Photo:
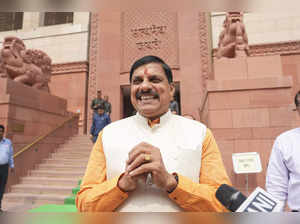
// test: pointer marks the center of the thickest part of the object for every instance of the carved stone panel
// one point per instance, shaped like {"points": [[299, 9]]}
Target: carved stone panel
{"points": [[148, 33]]}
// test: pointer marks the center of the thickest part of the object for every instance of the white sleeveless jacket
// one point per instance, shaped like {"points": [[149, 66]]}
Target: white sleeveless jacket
{"points": [[180, 142]]}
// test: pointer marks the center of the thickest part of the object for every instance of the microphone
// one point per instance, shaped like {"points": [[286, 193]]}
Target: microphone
{"points": [[230, 197], [258, 201]]}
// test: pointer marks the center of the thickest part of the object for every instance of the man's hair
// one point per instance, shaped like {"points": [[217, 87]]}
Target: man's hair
{"points": [[2, 127], [297, 102], [152, 59]]}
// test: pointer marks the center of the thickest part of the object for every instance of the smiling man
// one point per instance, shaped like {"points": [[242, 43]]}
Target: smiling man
{"points": [[154, 161]]}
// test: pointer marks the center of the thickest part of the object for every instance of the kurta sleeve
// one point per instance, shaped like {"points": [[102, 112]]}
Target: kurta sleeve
{"points": [[200, 196], [96, 192], [277, 178]]}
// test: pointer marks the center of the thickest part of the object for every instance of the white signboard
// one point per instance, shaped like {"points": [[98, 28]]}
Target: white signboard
{"points": [[248, 162]]}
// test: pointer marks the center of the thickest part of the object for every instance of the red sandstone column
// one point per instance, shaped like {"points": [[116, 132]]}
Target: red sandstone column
{"points": [[194, 59]]}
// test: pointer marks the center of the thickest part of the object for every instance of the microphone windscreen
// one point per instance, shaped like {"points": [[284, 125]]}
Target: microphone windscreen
{"points": [[230, 197]]}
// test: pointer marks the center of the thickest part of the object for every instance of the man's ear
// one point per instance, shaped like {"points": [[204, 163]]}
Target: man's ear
{"points": [[172, 89]]}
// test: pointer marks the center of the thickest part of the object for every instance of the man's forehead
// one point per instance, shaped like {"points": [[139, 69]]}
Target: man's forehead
{"points": [[149, 69]]}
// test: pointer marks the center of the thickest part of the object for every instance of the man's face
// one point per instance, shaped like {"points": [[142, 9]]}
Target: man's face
{"points": [[1, 133], [99, 95], [106, 98], [100, 111], [151, 92]]}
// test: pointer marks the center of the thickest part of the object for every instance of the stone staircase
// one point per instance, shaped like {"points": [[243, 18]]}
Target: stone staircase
{"points": [[53, 180]]}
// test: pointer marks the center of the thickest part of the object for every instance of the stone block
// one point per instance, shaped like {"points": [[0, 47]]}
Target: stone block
{"points": [[268, 132], [226, 147], [230, 68], [271, 97], [264, 66], [220, 119], [246, 118], [289, 69], [3, 111], [255, 145], [232, 133], [228, 100], [249, 84], [30, 112], [282, 116]]}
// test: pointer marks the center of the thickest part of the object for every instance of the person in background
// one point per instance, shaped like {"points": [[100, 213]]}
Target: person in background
{"points": [[154, 161], [107, 105], [283, 173], [174, 106], [100, 120], [6, 162], [97, 101]]}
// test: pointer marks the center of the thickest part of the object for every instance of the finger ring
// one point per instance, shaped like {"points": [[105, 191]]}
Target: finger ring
{"points": [[147, 157]]}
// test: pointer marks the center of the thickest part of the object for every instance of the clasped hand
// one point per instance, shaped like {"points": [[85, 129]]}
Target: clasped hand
{"points": [[142, 160]]}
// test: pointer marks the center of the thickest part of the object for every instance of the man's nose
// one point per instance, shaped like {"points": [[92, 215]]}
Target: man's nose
{"points": [[145, 85]]}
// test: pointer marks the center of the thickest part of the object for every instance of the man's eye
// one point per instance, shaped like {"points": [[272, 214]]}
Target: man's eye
{"points": [[136, 81], [156, 80]]}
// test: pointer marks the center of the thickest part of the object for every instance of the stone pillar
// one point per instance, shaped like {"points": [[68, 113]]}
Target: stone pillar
{"points": [[81, 18], [31, 20], [195, 61], [93, 58]]}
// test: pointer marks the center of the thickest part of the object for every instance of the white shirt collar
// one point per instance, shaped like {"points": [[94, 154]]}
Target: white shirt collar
{"points": [[163, 119]]}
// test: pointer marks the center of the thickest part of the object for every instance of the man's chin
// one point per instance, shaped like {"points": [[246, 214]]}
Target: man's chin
{"points": [[148, 112], [151, 113]]}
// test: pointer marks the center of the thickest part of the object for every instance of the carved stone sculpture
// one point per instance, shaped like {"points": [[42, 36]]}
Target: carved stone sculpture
{"points": [[28, 66], [233, 40]]}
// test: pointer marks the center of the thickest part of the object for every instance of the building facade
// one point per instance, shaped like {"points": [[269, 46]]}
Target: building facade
{"points": [[246, 107]]}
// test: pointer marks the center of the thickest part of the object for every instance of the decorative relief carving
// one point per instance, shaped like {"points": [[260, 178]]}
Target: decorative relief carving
{"points": [[148, 31], [280, 48], [151, 33], [73, 67], [291, 47], [233, 40], [92, 85], [28, 66], [204, 49]]}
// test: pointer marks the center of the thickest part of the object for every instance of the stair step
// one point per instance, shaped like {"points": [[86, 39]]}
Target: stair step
{"points": [[59, 166], [28, 198], [75, 158], [77, 145], [58, 174], [42, 189], [16, 206], [71, 153], [50, 181], [63, 153], [81, 137], [74, 148], [80, 141], [66, 152], [67, 161]]}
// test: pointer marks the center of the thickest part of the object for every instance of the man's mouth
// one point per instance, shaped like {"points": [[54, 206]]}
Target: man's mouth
{"points": [[144, 97], [147, 97]]}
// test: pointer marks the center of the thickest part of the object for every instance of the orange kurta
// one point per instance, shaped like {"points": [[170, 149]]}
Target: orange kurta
{"points": [[99, 194]]}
